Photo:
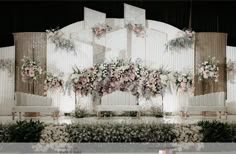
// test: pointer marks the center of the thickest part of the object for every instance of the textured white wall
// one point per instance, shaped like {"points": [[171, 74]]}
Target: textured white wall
{"points": [[6, 83]]}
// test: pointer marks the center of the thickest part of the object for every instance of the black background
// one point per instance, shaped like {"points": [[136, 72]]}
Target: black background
{"points": [[37, 16]]}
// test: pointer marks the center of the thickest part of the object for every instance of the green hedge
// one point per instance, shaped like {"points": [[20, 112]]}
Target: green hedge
{"points": [[21, 131], [204, 131], [216, 131]]}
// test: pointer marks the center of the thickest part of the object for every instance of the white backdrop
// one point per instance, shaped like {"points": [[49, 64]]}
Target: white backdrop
{"points": [[151, 49]]}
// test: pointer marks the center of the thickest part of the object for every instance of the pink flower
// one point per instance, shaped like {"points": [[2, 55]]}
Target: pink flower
{"points": [[45, 87], [31, 72], [205, 75], [23, 79], [183, 84], [137, 29]]}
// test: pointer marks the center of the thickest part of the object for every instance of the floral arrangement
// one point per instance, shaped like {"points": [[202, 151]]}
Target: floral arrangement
{"points": [[100, 30], [183, 82], [119, 75], [83, 82], [209, 69], [30, 70], [187, 133], [7, 64], [231, 66], [57, 37], [154, 82], [53, 82], [104, 78], [185, 41], [55, 133], [123, 75], [138, 29]]}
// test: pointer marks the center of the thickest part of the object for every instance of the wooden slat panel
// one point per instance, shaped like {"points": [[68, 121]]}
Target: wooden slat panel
{"points": [[33, 45], [214, 45]]}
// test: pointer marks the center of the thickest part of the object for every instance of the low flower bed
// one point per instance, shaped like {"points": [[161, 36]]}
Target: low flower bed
{"points": [[204, 131]]}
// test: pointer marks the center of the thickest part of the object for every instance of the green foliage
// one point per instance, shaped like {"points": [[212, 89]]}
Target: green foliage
{"points": [[4, 133], [216, 131], [80, 112], [131, 113], [24, 131], [156, 111], [107, 113]]}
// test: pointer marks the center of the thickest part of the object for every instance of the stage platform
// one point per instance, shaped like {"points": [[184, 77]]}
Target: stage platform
{"points": [[118, 119]]}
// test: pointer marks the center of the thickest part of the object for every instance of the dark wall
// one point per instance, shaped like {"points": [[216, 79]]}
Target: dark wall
{"points": [[38, 16]]}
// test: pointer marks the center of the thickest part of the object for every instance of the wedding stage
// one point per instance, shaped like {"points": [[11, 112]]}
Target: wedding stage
{"points": [[125, 79]]}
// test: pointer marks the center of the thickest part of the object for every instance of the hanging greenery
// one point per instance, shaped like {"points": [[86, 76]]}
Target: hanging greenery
{"points": [[183, 42], [7, 65], [57, 37]]}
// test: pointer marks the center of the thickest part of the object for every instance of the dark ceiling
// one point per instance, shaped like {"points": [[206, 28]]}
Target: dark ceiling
{"points": [[37, 16]]}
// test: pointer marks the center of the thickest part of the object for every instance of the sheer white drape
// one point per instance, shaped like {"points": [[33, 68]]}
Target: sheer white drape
{"points": [[7, 83]]}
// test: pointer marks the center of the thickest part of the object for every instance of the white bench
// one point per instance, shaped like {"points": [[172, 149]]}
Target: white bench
{"points": [[33, 103], [213, 102], [118, 101]]}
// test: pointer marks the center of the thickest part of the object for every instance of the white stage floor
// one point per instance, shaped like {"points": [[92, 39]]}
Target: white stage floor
{"points": [[114, 119]]}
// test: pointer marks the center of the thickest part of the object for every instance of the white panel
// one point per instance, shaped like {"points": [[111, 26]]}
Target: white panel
{"points": [[63, 61], [93, 18], [231, 76], [116, 44], [134, 15], [138, 46], [7, 84]]}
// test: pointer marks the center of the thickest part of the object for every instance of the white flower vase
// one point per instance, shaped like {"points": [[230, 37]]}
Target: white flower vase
{"points": [[55, 98], [96, 100], [183, 100]]}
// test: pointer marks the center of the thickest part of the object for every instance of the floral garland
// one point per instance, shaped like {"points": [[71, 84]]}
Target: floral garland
{"points": [[123, 75], [30, 70], [100, 30], [138, 29], [209, 70], [53, 82], [183, 42], [183, 82], [57, 37], [8, 65]]}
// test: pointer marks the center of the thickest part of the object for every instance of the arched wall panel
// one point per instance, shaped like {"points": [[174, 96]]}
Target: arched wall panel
{"points": [[150, 49]]}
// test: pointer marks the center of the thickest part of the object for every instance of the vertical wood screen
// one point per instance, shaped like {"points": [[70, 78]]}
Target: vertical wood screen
{"points": [[32, 45], [213, 45]]}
